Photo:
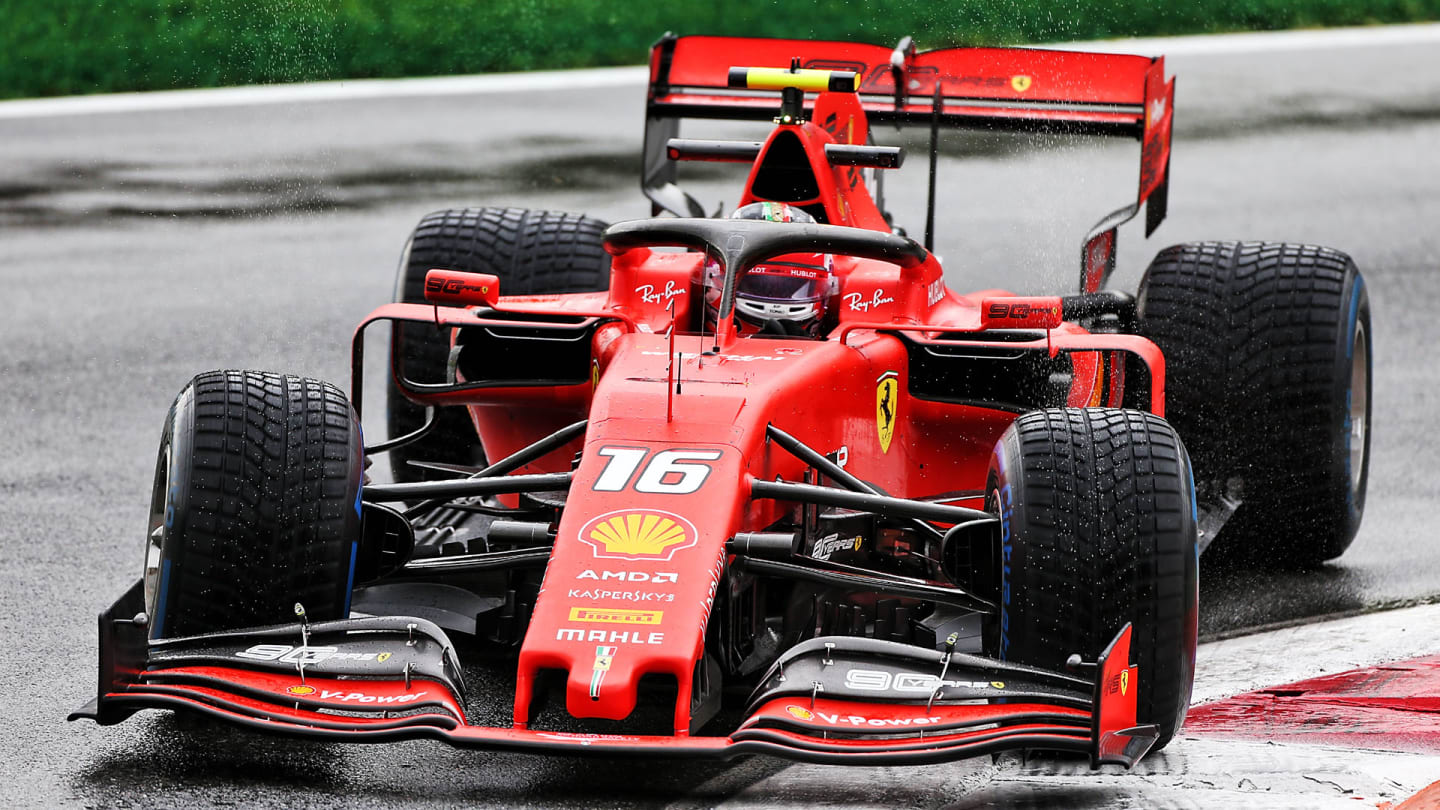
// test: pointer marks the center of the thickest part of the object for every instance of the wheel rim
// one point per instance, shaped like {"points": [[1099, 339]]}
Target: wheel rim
{"points": [[1359, 403], [155, 536]]}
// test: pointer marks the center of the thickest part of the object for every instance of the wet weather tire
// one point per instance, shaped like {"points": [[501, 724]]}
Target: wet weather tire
{"points": [[1098, 529], [532, 252], [1267, 349], [255, 505]]}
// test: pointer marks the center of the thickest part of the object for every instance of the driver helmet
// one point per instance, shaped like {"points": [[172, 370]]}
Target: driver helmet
{"points": [[783, 296]]}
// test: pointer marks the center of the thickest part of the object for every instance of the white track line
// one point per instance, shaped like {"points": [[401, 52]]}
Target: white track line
{"points": [[1276, 657], [1213, 44], [1377, 36], [345, 90]]}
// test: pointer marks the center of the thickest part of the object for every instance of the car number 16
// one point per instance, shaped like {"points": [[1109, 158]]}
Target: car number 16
{"points": [[668, 472]]}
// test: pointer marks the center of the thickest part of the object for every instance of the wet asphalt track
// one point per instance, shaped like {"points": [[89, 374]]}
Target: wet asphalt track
{"points": [[139, 248]]}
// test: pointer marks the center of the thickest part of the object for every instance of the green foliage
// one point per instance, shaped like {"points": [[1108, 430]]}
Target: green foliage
{"points": [[59, 47]]}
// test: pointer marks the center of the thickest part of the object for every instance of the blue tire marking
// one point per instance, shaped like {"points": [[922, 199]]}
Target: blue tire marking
{"points": [[360, 429], [350, 578], [1354, 308], [1006, 549], [1194, 506], [1006, 506], [171, 495], [157, 622], [1351, 326], [354, 544], [1003, 496]]}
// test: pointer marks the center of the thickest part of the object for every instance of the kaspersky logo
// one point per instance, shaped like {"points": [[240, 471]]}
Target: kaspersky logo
{"points": [[645, 534]]}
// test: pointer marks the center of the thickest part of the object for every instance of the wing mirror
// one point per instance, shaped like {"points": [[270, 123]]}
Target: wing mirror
{"points": [[462, 289]]}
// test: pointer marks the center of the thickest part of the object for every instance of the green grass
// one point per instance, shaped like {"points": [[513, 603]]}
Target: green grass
{"points": [[61, 47]]}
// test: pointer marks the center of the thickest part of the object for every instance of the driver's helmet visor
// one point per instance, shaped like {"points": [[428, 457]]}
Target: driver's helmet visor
{"points": [[784, 280]]}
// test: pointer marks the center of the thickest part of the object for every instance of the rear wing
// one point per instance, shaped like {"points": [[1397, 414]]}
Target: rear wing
{"points": [[1007, 89]]}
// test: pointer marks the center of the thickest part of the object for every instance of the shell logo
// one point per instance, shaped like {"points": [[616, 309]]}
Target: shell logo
{"points": [[301, 690], [800, 713], [647, 534]]}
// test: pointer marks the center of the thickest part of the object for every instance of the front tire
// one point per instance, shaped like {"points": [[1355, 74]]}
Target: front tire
{"points": [[1097, 530], [256, 505]]}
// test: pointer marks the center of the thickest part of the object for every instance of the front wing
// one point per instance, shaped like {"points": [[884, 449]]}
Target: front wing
{"points": [[831, 700]]}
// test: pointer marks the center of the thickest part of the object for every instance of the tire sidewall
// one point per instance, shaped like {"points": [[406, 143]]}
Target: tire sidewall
{"points": [[999, 500], [1355, 314], [1191, 638], [178, 443], [403, 273], [353, 526]]}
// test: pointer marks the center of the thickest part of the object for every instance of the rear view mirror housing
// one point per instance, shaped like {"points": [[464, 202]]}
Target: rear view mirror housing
{"points": [[462, 289]]}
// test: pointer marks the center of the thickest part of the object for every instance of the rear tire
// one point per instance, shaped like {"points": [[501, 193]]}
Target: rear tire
{"points": [[1098, 529], [532, 252], [1268, 353], [256, 505]]}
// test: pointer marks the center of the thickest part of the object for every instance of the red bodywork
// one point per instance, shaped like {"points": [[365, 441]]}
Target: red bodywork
{"points": [[823, 392], [677, 420]]}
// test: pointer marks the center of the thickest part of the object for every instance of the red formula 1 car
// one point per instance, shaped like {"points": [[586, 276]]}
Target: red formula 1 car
{"points": [[713, 486]]}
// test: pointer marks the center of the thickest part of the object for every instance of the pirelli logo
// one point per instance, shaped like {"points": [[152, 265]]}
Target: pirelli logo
{"points": [[610, 616]]}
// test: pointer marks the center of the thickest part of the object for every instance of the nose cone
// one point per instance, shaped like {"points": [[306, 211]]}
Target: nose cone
{"points": [[630, 582], [607, 687]]}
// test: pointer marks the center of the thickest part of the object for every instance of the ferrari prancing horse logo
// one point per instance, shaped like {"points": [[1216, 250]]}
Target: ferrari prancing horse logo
{"points": [[1124, 680], [604, 657], [887, 399]]}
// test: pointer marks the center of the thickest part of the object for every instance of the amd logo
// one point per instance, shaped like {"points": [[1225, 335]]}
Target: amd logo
{"points": [[629, 576]]}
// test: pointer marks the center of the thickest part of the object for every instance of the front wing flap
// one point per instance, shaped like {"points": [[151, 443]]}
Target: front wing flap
{"points": [[828, 700]]}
